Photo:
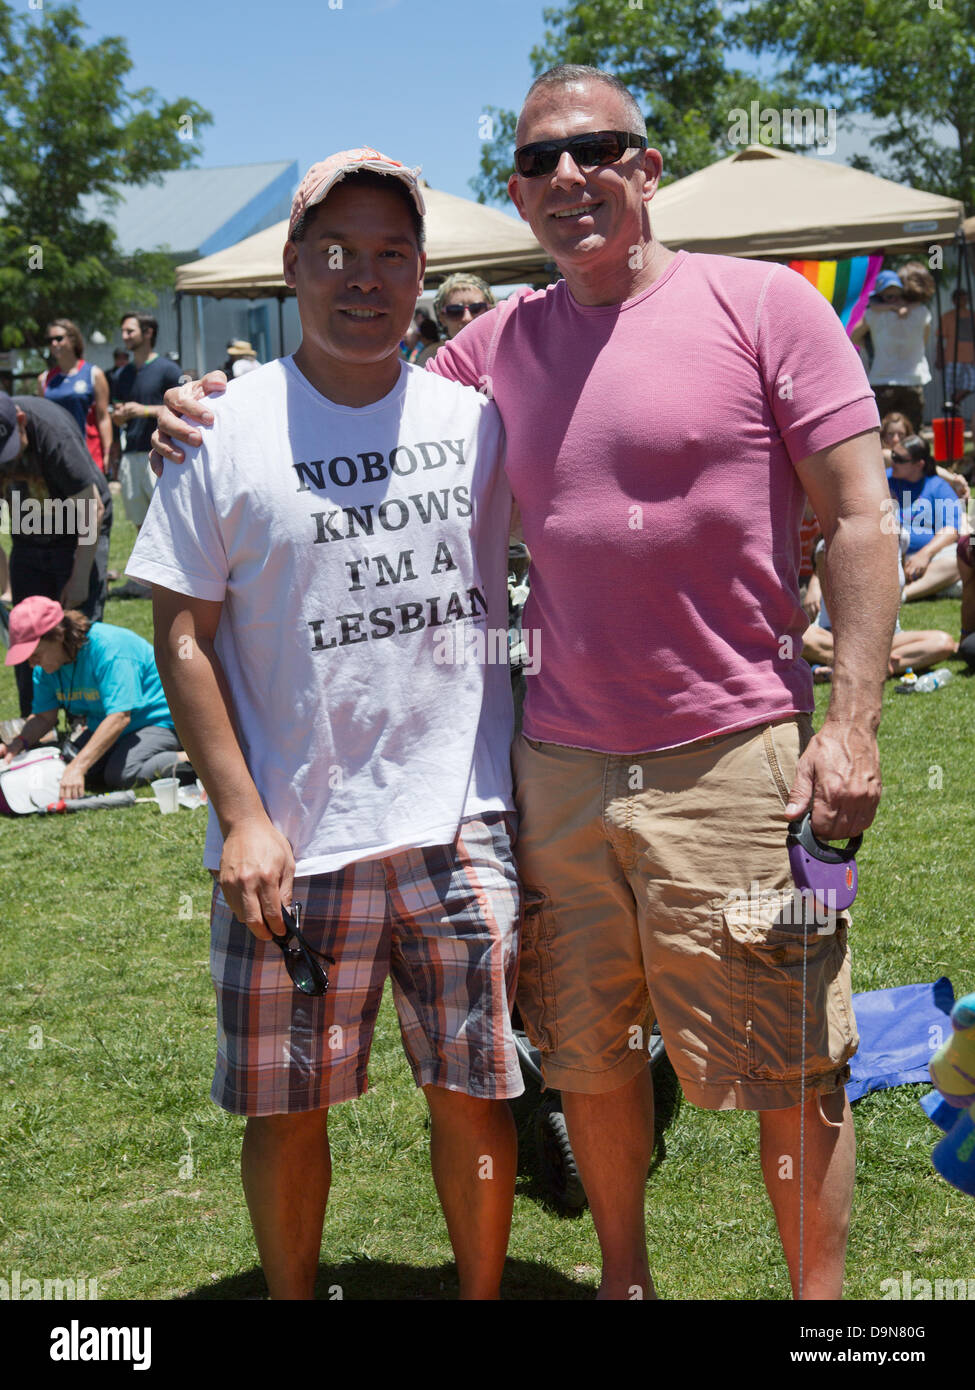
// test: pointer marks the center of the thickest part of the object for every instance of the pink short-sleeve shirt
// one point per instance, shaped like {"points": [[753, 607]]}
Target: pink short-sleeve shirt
{"points": [[651, 447]]}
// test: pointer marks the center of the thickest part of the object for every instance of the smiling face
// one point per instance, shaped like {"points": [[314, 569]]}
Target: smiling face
{"points": [[358, 273], [590, 220], [60, 346], [132, 335]]}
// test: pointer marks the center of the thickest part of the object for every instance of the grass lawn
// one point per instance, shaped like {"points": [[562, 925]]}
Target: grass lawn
{"points": [[116, 1165]]}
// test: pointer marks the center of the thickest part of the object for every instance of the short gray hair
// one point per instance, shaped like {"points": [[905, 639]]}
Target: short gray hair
{"points": [[564, 73], [462, 280]]}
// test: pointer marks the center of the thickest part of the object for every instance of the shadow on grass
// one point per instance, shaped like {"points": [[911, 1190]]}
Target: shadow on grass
{"points": [[379, 1280]]}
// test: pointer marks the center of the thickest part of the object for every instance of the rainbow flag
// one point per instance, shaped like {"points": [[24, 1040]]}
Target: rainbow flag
{"points": [[847, 284]]}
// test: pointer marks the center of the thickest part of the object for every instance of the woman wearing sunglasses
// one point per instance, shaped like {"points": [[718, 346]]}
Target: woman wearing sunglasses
{"points": [[460, 299], [82, 389]]}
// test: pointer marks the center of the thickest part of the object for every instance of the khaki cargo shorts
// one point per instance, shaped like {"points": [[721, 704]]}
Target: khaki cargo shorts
{"points": [[658, 885]]}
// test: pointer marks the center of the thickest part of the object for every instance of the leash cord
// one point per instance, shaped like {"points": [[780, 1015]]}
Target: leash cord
{"points": [[802, 1107]]}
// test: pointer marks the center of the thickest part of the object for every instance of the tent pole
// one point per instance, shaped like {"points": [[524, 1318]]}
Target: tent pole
{"points": [[280, 325], [179, 328]]}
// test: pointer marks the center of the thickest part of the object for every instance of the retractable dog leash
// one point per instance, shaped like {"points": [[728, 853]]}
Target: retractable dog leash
{"points": [[829, 875]]}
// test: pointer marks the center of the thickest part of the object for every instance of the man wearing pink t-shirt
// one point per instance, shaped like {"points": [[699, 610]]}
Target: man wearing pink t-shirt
{"points": [[666, 415]]}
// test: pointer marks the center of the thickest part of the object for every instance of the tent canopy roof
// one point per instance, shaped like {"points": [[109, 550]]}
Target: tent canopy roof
{"points": [[460, 235], [764, 201]]}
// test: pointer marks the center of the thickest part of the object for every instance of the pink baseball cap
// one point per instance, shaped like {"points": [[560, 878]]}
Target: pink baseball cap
{"points": [[30, 620], [322, 177]]}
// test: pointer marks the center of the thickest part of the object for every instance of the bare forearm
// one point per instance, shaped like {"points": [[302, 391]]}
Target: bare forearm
{"points": [[862, 593], [200, 702], [109, 731], [35, 729]]}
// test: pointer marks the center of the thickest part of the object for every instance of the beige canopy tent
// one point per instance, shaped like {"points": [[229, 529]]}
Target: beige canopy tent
{"points": [[461, 235], [766, 202]]}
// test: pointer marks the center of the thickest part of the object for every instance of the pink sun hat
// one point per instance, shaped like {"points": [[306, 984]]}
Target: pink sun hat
{"points": [[322, 177], [30, 620]]}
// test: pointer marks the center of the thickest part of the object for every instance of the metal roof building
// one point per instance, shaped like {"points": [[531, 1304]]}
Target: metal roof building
{"points": [[197, 212]]}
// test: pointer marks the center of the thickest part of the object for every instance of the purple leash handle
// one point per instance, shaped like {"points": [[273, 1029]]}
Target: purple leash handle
{"points": [[830, 874]]}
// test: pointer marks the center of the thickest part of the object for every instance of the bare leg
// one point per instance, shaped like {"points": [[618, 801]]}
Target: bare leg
{"points": [[942, 571], [474, 1155], [920, 649], [286, 1169], [830, 1150], [612, 1139]]}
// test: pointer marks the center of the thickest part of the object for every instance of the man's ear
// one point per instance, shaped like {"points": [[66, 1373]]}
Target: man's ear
{"points": [[423, 268], [514, 193], [289, 261], [21, 417], [653, 165]]}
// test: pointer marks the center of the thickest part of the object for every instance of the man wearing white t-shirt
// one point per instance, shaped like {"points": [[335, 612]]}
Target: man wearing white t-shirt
{"points": [[342, 514]]}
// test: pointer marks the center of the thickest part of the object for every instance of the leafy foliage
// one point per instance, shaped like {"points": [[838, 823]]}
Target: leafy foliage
{"points": [[671, 56], [69, 129], [908, 62]]}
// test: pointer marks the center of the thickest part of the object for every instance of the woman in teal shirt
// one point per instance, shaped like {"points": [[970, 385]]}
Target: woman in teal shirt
{"points": [[104, 675]]}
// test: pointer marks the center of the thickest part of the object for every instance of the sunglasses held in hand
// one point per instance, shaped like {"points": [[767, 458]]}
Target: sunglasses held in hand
{"points": [[589, 151], [299, 958]]}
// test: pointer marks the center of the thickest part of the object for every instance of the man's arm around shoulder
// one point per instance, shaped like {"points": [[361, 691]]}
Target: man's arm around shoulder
{"points": [[257, 865], [839, 773]]}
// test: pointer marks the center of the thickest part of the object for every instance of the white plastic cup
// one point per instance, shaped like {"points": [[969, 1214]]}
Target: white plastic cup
{"points": [[166, 792]]}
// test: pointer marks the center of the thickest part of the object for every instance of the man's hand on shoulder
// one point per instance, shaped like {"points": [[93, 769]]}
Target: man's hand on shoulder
{"points": [[172, 430], [838, 777]]}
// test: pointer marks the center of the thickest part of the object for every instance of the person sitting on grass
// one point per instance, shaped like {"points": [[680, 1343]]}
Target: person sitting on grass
{"points": [[930, 512], [896, 427], [912, 650], [103, 674]]}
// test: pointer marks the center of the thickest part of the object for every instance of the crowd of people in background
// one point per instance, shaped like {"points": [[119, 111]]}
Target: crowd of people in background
{"points": [[87, 427]]}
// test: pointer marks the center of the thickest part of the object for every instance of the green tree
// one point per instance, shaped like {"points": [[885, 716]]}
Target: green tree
{"points": [[671, 56], [68, 129], [908, 62]]}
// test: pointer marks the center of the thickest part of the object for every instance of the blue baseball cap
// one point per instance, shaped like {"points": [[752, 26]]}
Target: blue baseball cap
{"points": [[886, 280]]}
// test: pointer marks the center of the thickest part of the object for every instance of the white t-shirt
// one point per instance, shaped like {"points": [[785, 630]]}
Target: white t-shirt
{"points": [[899, 356], [361, 558]]}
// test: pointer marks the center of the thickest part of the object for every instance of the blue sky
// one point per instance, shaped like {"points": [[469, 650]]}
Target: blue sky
{"points": [[294, 79], [297, 79]]}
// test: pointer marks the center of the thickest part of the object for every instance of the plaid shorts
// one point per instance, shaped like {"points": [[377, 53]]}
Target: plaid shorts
{"points": [[442, 921]]}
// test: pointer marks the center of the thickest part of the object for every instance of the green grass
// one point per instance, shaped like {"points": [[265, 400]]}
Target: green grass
{"points": [[115, 1164]]}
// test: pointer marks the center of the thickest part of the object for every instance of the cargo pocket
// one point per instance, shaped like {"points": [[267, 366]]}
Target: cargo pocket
{"points": [[764, 947], [536, 972]]}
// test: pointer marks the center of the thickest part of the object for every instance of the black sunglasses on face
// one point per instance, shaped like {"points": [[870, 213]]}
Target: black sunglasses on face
{"points": [[589, 151], [456, 311], [299, 958]]}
